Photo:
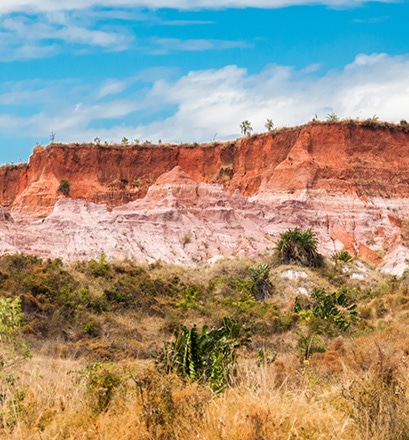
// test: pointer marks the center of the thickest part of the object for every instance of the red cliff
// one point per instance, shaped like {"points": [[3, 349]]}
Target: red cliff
{"points": [[348, 180]]}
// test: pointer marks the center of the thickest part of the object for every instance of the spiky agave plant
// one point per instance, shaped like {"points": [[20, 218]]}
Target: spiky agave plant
{"points": [[299, 247]]}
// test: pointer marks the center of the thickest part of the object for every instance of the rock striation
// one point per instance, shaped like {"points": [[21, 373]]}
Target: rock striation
{"points": [[348, 181]]}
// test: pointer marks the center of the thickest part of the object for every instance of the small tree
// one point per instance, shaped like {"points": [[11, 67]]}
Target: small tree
{"points": [[124, 141], [246, 127], [269, 125], [11, 318], [299, 247]]}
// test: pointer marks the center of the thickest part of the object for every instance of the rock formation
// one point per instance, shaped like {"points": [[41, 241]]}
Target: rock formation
{"points": [[348, 181]]}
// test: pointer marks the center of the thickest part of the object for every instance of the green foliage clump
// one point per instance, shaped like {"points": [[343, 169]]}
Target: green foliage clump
{"points": [[372, 122], [208, 356], [298, 246], [64, 187], [190, 296]]}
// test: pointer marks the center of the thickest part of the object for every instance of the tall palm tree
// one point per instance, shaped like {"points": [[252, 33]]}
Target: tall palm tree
{"points": [[246, 127], [269, 125]]}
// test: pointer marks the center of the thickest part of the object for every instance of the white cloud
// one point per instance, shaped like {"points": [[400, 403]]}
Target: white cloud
{"points": [[7, 6], [204, 103]]}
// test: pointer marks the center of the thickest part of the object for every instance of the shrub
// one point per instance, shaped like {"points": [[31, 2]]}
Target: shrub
{"points": [[299, 247], [336, 308], [378, 400], [10, 318], [343, 256], [64, 187], [372, 122]]}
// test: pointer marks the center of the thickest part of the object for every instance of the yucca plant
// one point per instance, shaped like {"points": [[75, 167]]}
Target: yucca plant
{"points": [[298, 246], [260, 284], [208, 356]]}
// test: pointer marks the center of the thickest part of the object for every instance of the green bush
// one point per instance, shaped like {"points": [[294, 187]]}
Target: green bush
{"points": [[101, 382], [10, 318], [332, 309]]}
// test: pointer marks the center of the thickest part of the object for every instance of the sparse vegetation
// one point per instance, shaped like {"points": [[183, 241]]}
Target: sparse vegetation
{"points": [[326, 359], [372, 122], [186, 240], [332, 117]]}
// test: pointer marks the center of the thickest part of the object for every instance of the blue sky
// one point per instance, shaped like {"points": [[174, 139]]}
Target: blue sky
{"points": [[193, 70]]}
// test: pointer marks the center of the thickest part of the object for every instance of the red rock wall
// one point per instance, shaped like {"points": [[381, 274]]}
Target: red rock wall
{"points": [[337, 157]]}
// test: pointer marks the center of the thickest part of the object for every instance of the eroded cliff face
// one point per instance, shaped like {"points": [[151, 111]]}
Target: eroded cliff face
{"points": [[185, 203]]}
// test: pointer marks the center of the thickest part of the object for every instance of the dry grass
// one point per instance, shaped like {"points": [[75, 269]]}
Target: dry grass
{"points": [[357, 390]]}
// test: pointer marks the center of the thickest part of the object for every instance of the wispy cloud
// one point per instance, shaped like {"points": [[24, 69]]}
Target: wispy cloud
{"points": [[7, 6], [166, 45], [28, 36], [208, 103], [371, 20]]}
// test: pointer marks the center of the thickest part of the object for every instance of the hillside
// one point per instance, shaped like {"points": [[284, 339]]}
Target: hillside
{"points": [[348, 181], [310, 368]]}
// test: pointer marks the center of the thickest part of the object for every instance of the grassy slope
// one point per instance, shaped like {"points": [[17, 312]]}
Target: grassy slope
{"points": [[92, 327]]}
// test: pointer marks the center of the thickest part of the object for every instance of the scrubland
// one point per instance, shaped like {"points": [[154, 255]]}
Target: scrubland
{"points": [[327, 357]]}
